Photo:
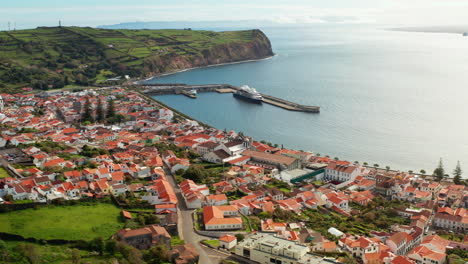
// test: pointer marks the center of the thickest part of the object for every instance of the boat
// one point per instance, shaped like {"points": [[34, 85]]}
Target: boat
{"points": [[193, 92], [465, 34], [249, 94]]}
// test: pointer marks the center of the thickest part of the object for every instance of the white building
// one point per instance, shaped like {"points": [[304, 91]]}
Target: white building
{"points": [[342, 173], [227, 242], [165, 114], [224, 217], [2, 106], [267, 249], [449, 219], [287, 176]]}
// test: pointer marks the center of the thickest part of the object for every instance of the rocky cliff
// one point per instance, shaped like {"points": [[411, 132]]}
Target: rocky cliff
{"points": [[257, 48], [58, 56]]}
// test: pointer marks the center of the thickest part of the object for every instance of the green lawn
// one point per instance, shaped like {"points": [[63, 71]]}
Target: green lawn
{"points": [[213, 243], [3, 173], [65, 222], [197, 221], [176, 241]]}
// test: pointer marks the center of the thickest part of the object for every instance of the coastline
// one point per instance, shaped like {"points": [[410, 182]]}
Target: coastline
{"points": [[176, 111], [201, 67]]}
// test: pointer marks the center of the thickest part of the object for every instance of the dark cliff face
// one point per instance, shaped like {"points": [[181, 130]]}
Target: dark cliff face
{"points": [[258, 48]]}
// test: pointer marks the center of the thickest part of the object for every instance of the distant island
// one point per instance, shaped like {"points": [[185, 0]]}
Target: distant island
{"points": [[435, 29], [55, 57]]}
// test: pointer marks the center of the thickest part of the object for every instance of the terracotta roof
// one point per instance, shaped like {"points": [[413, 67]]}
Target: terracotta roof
{"points": [[126, 214], [227, 238], [271, 157]]}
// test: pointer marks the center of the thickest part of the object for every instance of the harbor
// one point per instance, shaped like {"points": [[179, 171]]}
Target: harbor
{"points": [[191, 91]]}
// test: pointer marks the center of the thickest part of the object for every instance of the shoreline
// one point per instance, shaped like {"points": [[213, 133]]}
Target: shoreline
{"points": [[415, 171], [184, 115], [201, 67]]}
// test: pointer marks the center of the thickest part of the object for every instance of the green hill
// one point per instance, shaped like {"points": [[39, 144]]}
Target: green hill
{"points": [[52, 57]]}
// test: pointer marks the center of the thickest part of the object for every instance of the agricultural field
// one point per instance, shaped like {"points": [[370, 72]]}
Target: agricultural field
{"points": [[54, 57], [77, 222]]}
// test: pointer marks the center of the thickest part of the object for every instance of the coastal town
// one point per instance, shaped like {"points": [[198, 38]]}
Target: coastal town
{"points": [[197, 194]]}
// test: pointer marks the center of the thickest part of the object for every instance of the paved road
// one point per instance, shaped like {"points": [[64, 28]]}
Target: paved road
{"points": [[185, 226]]}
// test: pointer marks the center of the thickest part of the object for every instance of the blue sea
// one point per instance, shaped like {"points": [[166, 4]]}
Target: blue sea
{"points": [[398, 99]]}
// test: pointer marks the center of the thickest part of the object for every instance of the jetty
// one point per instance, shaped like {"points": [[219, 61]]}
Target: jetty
{"points": [[180, 88]]}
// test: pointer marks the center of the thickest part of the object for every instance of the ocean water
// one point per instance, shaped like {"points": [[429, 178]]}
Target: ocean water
{"points": [[397, 99]]}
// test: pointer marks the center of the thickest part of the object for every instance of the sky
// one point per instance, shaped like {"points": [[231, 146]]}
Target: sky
{"points": [[33, 13]]}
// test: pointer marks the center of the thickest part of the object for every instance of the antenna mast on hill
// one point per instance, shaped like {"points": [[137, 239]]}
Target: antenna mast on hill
{"points": [[14, 26], [8, 25], [60, 23]]}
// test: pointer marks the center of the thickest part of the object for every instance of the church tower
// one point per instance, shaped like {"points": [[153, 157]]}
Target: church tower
{"points": [[1, 103]]}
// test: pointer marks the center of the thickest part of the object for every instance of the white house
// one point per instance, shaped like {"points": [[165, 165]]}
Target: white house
{"points": [[165, 114], [227, 242], [342, 173]]}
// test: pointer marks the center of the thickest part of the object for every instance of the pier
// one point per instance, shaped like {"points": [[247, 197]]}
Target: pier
{"points": [[179, 88]]}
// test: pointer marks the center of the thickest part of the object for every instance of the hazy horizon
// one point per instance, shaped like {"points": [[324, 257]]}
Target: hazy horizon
{"points": [[30, 13]]}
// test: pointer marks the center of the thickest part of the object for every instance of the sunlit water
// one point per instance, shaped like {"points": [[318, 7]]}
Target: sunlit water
{"points": [[392, 98]]}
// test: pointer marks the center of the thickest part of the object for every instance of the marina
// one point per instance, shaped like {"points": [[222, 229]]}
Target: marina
{"points": [[238, 92]]}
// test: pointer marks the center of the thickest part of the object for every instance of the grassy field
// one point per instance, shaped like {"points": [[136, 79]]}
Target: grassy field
{"points": [[213, 243], [66, 54], [3, 173], [65, 222]]}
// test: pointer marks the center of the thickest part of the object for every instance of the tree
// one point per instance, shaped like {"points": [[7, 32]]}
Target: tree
{"points": [[75, 256], [387, 167], [195, 173], [30, 252], [348, 260], [110, 109], [4, 253], [157, 254], [99, 111], [111, 247], [376, 165], [264, 215], [134, 256], [422, 171], [87, 115], [439, 172], [457, 173], [98, 245], [240, 237]]}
